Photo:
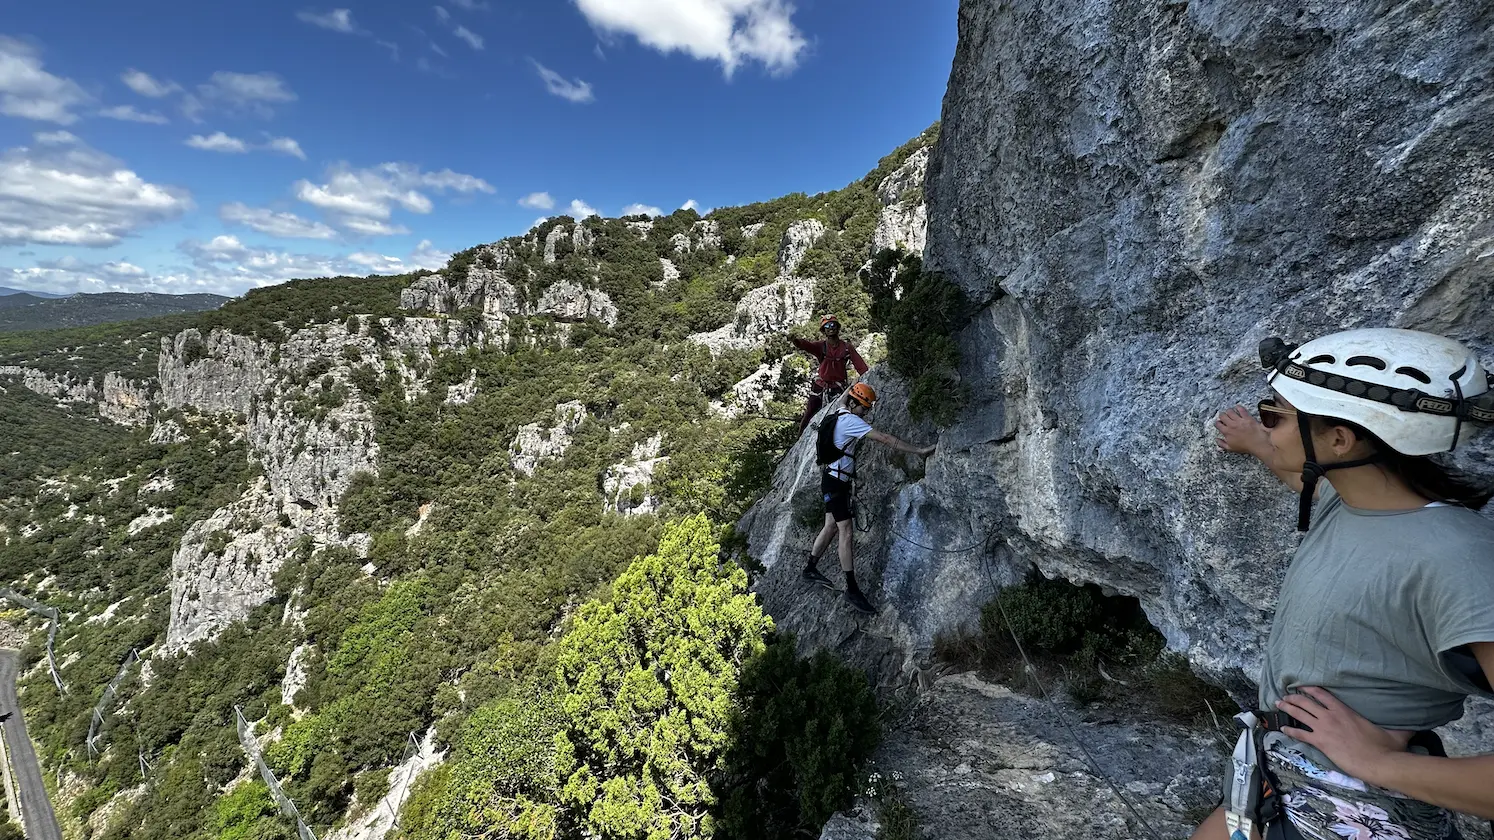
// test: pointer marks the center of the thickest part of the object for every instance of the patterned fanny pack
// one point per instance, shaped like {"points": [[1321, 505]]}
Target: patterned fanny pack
{"points": [[1328, 805]]}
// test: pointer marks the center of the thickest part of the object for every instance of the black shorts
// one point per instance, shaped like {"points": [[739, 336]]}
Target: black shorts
{"points": [[837, 496]]}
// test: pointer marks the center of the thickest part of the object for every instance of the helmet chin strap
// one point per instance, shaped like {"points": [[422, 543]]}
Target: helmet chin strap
{"points": [[1312, 471]]}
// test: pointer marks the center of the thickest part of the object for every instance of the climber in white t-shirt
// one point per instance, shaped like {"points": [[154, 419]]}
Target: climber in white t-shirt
{"points": [[840, 435]]}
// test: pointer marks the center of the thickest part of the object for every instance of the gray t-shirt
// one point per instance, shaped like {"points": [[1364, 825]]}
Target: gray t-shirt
{"points": [[1372, 602]]}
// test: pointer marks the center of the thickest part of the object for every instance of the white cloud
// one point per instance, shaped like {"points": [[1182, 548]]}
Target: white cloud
{"points": [[441, 14], [538, 201], [228, 266], [690, 205], [145, 85], [218, 142], [70, 274], [372, 193], [128, 113], [641, 210], [56, 138], [371, 227], [731, 32], [470, 5], [337, 20], [62, 192], [284, 225], [428, 256], [472, 38], [223, 265], [580, 209], [251, 93], [29, 92], [285, 146], [577, 91]]}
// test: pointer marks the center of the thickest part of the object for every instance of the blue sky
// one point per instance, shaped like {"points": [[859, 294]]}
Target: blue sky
{"points": [[185, 147]]}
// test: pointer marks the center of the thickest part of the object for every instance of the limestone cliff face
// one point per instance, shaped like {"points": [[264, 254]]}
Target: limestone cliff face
{"points": [[1136, 199], [1135, 194], [120, 400], [310, 429], [493, 282], [1152, 190], [777, 306], [903, 222]]}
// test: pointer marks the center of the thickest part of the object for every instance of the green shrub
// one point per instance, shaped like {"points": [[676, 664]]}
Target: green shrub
{"points": [[922, 314], [805, 731], [502, 780], [370, 786], [648, 681], [248, 813]]}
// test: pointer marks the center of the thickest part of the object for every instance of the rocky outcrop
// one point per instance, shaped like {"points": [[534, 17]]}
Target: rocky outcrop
{"points": [[462, 393], [297, 671], [903, 221], [570, 303], [705, 234], [492, 284], [537, 442], [225, 567], [119, 400], [671, 272], [557, 235], [626, 485], [978, 761], [762, 312], [167, 431], [797, 241], [751, 394], [640, 227], [150, 519]]}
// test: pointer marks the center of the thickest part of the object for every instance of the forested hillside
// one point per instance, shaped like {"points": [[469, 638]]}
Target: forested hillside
{"points": [[23, 311], [451, 542]]}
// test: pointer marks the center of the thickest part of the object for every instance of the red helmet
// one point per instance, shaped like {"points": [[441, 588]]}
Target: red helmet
{"points": [[863, 393], [829, 322]]}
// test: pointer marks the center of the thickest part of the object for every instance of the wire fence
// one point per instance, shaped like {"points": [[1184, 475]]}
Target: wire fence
{"points": [[104, 702], [50, 612], [287, 807]]}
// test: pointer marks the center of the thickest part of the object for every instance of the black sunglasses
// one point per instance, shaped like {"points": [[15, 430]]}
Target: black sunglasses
{"points": [[1271, 413]]}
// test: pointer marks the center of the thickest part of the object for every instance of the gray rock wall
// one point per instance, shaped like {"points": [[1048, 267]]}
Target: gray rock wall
{"points": [[1152, 189], [1136, 194]]}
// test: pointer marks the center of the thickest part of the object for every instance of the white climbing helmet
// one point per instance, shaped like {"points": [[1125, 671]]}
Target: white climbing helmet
{"points": [[1412, 389]]}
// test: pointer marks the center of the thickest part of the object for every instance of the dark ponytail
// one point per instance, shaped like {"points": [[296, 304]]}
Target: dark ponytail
{"points": [[1425, 477]]}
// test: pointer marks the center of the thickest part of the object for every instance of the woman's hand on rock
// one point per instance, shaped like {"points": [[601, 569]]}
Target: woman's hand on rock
{"points": [[1240, 432]]}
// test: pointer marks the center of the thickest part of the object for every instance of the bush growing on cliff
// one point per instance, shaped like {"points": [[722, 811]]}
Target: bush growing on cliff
{"points": [[922, 313], [805, 729], [648, 680]]}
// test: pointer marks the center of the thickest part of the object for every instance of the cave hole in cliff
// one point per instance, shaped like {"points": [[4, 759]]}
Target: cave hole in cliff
{"points": [[1097, 648]]}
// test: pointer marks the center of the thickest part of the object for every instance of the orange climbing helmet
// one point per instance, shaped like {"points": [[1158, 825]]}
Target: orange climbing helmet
{"points": [[863, 394], [829, 322]]}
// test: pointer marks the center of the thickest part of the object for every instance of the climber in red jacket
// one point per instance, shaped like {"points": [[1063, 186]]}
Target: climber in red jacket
{"points": [[832, 354]]}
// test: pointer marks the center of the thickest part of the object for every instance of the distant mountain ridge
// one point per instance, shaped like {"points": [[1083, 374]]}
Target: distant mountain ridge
{"points": [[20, 310], [6, 291]]}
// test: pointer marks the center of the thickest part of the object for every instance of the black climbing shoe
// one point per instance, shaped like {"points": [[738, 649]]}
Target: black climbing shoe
{"points": [[813, 575], [859, 603]]}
